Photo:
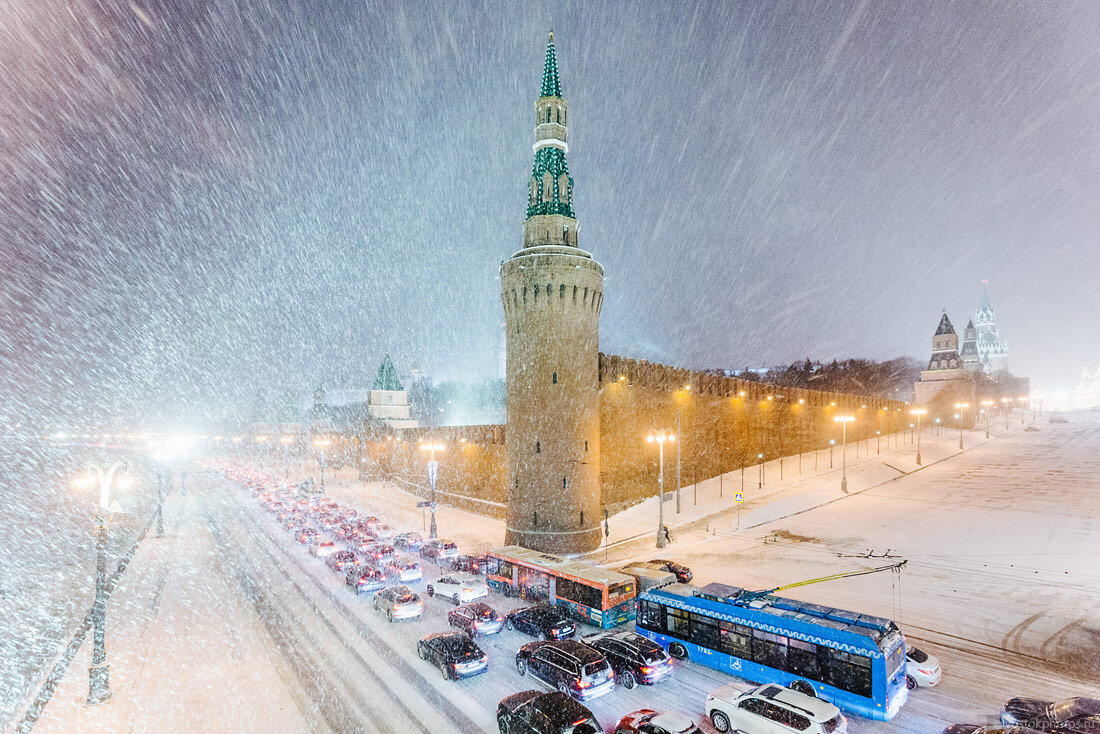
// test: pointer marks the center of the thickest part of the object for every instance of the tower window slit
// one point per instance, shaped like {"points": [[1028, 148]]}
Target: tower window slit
{"points": [[538, 447], [555, 380], [574, 294], [548, 293], [561, 291]]}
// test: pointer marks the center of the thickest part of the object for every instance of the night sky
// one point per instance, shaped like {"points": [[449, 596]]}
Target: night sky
{"points": [[200, 200]]}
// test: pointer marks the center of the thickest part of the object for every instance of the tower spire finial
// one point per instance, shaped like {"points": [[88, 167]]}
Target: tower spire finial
{"points": [[551, 87]]}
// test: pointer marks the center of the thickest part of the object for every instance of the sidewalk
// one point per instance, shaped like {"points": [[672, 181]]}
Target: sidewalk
{"points": [[796, 492], [185, 648]]}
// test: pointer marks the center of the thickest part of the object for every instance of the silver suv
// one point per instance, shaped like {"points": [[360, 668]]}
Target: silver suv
{"points": [[772, 709]]}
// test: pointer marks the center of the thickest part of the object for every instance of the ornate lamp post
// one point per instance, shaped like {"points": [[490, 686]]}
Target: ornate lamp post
{"points": [[113, 477], [433, 468], [961, 407], [918, 412], [987, 408], [844, 420], [321, 443], [286, 441], [659, 438]]}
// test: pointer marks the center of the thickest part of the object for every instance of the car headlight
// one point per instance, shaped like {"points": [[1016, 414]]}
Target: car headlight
{"points": [[1007, 718]]}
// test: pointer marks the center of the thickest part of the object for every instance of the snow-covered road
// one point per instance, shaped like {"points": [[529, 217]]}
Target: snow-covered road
{"points": [[1001, 543]]}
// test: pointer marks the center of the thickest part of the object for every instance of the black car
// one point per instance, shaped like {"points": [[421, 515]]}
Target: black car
{"points": [[683, 573], [983, 729], [1059, 717], [543, 622], [476, 619], [534, 712], [570, 666], [634, 658], [469, 564], [454, 653]]}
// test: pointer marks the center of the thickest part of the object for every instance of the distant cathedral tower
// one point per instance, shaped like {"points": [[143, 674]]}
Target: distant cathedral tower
{"points": [[552, 292], [992, 349]]}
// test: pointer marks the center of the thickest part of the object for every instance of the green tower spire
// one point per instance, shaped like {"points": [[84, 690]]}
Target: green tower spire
{"points": [[551, 87], [551, 187]]}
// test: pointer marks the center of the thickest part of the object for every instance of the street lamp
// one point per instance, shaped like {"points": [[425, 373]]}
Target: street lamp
{"points": [[987, 410], [687, 389], [433, 469], [760, 466], [113, 477], [961, 407], [1023, 405], [659, 438], [918, 412], [844, 420], [832, 442], [286, 441], [322, 442]]}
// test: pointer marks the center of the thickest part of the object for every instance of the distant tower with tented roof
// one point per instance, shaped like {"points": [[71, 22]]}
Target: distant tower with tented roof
{"points": [[992, 348], [945, 374]]}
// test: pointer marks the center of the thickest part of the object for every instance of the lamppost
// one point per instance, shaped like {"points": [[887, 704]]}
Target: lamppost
{"points": [[687, 389], [286, 441], [801, 434], [760, 473], [659, 438], [1023, 407], [113, 477], [938, 423], [918, 412], [961, 407], [433, 471], [832, 442], [844, 420], [987, 410], [878, 442], [322, 442]]}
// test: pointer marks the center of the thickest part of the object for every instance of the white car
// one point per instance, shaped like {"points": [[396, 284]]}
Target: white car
{"points": [[921, 669], [772, 709], [323, 547], [459, 588], [399, 602], [382, 531]]}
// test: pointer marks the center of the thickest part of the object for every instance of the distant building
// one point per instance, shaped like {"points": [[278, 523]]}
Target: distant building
{"points": [[1087, 394], [992, 348], [945, 379], [386, 401], [968, 353]]}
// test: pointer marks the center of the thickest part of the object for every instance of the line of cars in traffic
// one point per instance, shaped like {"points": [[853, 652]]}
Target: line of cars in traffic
{"points": [[375, 559]]}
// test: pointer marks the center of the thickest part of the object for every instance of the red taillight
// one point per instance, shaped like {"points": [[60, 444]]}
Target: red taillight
{"points": [[646, 669], [582, 684], [578, 722]]}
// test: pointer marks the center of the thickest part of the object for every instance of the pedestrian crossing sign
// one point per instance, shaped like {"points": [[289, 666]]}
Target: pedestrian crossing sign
{"points": [[738, 497]]}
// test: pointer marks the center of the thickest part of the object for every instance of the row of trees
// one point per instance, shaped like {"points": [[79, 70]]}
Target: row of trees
{"points": [[891, 379]]}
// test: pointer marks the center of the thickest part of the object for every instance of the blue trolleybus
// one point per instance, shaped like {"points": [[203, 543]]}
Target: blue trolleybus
{"points": [[591, 594], [855, 661]]}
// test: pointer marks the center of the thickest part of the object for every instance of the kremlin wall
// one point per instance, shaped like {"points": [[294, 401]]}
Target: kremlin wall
{"points": [[725, 423]]}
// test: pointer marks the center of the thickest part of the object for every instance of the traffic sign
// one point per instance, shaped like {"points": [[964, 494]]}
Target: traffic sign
{"points": [[432, 505], [738, 497], [424, 503]]}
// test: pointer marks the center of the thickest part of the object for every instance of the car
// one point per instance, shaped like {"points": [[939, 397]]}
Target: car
{"points": [[648, 721], [683, 573], [363, 580], [322, 547], [569, 666], [376, 552], [454, 653], [458, 587], [290, 523], [341, 559], [535, 712], [544, 622], [476, 619], [399, 602], [634, 658], [1077, 714], [469, 564], [1058, 419], [402, 569], [306, 535], [984, 729], [382, 531], [439, 548], [921, 669], [772, 708], [408, 541]]}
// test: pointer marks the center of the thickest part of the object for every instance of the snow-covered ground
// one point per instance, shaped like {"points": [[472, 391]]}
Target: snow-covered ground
{"points": [[228, 625]]}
